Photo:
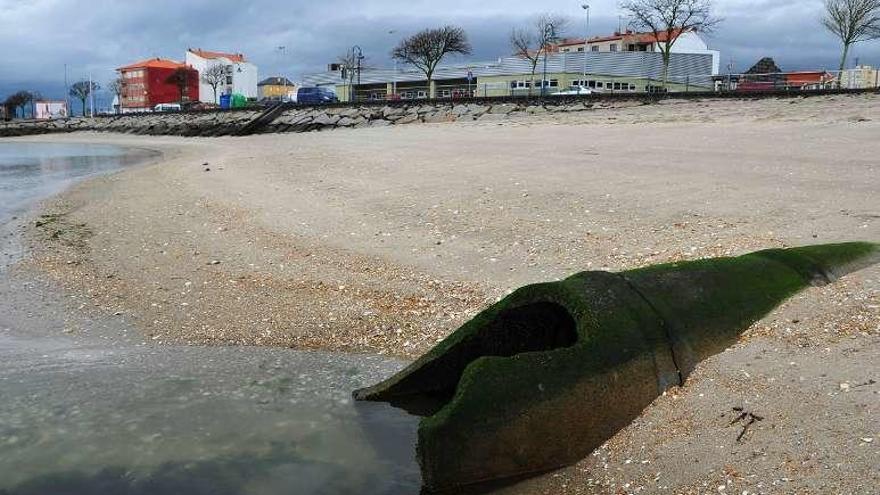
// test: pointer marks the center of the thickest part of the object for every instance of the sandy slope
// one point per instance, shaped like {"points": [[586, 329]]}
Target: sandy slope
{"points": [[384, 240]]}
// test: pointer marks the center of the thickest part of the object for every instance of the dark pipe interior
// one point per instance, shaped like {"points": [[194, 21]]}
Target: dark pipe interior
{"points": [[533, 327]]}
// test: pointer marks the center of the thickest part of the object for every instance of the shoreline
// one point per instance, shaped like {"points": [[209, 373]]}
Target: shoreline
{"points": [[11, 228], [384, 240]]}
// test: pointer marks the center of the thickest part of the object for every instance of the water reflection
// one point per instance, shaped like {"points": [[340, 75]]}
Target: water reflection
{"points": [[30, 171]]}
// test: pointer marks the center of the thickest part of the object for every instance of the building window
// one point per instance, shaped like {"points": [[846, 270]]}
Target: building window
{"points": [[617, 86], [631, 48], [591, 84], [422, 94], [599, 84], [565, 50], [581, 49], [613, 47], [445, 93], [594, 48], [228, 79]]}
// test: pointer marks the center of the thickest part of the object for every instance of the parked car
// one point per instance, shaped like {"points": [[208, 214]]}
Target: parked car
{"points": [[167, 107], [575, 90], [315, 96]]}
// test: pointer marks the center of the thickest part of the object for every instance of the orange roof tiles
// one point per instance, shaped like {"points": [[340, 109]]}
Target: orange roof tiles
{"points": [[235, 57], [155, 63]]}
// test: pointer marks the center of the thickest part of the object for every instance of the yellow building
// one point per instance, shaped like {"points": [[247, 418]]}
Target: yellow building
{"points": [[276, 88]]}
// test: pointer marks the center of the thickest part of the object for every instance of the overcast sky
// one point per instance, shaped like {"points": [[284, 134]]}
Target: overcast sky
{"points": [[94, 36]]}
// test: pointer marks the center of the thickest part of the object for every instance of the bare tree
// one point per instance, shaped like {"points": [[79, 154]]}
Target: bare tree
{"points": [[852, 21], [425, 49], [116, 86], [669, 19], [214, 76], [82, 90], [537, 40], [182, 77], [18, 101]]}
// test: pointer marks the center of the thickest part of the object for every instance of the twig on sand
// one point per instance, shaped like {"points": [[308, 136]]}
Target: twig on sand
{"points": [[747, 418]]}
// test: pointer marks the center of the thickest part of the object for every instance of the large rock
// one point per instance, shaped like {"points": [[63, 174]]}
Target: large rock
{"points": [[408, 119], [350, 112], [503, 108], [325, 119], [393, 111], [437, 117]]}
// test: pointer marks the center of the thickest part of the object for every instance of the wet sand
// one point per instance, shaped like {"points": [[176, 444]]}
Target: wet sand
{"points": [[385, 240], [88, 406]]}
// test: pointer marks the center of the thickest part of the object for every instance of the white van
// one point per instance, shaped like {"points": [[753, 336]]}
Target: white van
{"points": [[167, 107]]}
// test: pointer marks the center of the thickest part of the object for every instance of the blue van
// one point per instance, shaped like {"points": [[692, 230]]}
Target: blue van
{"points": [[315, 96]]}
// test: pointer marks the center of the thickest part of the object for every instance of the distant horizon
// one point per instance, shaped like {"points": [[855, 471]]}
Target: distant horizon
{"points": [[111, 34]]}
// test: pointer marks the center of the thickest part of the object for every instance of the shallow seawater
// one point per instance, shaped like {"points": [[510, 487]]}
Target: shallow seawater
{"points": [[31, 171], [84, 418], [96, 410]]}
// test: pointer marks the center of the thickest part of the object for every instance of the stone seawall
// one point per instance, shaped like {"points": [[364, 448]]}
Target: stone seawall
{"points": [[302, 119], [305, 119], [174, 124]]}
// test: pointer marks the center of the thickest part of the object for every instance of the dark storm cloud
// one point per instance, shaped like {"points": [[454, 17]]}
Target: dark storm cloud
{"points": [[93, 37]]}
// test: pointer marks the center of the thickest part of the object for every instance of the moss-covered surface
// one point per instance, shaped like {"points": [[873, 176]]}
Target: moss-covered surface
{"points": [[503, 409]]}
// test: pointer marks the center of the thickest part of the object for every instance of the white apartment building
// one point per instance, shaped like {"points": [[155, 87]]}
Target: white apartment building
{"points": [[241, 76]]}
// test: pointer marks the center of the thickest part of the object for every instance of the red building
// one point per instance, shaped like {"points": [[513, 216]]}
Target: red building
{"points": [[148, 83], [810, 80]]}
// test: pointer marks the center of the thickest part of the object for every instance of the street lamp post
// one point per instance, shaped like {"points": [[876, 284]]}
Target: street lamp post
{"points": [[586, 7], [281, 72], [394, 78], [358, 54]]}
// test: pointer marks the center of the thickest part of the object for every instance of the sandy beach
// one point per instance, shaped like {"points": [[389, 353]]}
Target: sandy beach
{"points": [[385, 240]]}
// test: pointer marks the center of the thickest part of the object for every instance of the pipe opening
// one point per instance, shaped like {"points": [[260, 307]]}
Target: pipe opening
{"points": [[535, 327]]}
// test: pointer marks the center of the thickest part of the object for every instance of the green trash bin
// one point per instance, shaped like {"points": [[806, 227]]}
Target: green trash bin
{"points": [[239, 101]]}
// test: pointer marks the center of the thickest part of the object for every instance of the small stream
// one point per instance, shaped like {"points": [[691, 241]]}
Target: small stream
{"points": [[100, 411]]}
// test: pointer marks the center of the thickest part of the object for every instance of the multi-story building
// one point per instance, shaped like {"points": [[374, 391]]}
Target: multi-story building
{"points": [[150, 82], [276, 88], [630, 41], [241, 75], [862, 77]]}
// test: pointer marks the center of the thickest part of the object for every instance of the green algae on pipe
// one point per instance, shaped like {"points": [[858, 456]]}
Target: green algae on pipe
{"points": [[546, 375]]}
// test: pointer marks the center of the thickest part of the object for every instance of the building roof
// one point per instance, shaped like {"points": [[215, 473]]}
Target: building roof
{"points": [[275, 81], [631, 36], [808, 77], [153, 63], [234, 57]]}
